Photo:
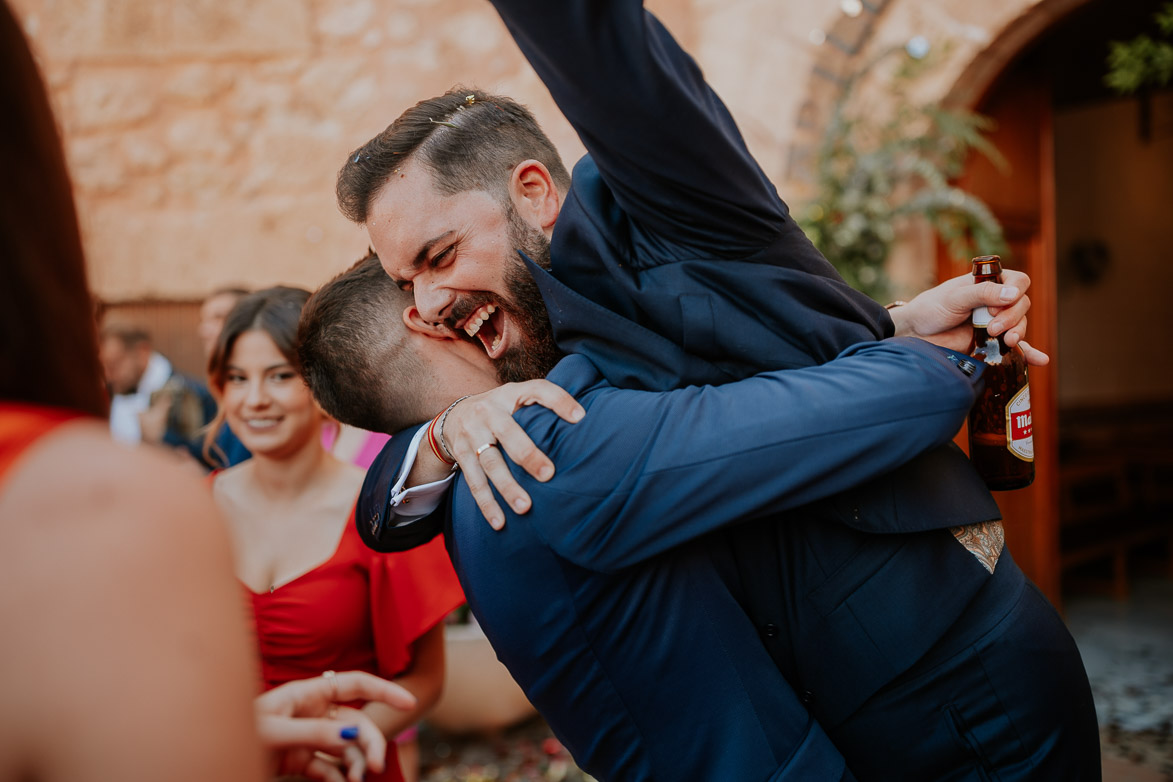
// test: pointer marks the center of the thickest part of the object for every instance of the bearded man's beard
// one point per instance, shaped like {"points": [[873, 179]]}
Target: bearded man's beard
{"points": [[537, 352]]}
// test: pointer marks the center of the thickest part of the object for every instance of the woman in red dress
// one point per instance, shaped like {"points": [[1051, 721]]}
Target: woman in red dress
{"points": [[321, 599]]}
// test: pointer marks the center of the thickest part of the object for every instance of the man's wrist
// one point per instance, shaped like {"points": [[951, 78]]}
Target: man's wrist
{"points": [[439, 452], [439, 426], [421, 470], [898, 310]]}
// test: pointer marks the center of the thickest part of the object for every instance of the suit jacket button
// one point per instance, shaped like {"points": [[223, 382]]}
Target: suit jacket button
{"points": [[807, 697], [770, 630]]}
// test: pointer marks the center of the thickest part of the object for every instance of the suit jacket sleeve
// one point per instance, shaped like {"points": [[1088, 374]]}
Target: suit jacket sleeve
{"points": [[662, 140], [670, 222], [374, 515], [644, 472]]}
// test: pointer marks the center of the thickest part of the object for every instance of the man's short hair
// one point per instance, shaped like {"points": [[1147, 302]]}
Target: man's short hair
{"points": [[129, 334], [239, 291], [466, 138], [355, 352]]}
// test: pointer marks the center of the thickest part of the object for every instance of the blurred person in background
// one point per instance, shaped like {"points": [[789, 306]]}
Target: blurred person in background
{"points": [[150, 402], [213, 311], [226, 450], [119, 606], [320, 598]]}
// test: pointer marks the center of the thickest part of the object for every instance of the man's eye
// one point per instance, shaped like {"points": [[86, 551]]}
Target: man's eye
{"points": [[442, 256]]}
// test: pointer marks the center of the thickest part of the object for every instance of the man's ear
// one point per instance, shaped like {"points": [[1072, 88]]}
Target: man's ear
{"points": [[430, 329], [535, 196]]}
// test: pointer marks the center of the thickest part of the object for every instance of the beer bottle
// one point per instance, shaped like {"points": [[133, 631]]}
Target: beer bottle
{"points": [[1000, 443]]}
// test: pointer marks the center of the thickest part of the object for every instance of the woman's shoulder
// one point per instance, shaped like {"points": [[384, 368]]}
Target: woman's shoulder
{"points": [[344, 482], [350, 477], [76, 477], [231, 485], [116, 554], [83, 518]]}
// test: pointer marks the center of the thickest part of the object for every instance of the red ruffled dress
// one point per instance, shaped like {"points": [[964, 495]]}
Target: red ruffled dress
{"points": [[358, 610]]}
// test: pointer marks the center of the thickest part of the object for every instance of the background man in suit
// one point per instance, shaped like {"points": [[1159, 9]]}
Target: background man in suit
{"points": [[149, 401], [674, 262]]}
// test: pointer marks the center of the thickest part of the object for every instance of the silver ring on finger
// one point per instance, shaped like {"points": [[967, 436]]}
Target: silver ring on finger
{"points": [[484, 448], [330, 677], [332, 760]]}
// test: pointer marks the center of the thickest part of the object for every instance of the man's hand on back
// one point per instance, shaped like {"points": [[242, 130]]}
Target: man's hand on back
{"points": [[477, 427]]}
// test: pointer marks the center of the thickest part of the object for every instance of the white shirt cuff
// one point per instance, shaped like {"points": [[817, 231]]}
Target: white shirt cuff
{"points": [[408, 505]]}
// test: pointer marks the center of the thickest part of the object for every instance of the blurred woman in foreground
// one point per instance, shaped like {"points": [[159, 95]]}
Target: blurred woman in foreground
{"points": [[125, 653]]}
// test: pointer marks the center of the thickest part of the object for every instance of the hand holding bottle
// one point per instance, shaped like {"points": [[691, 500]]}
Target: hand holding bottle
{"points": [[941, 315]]}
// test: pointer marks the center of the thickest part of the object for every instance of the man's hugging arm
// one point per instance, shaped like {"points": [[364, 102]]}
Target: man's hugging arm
{"points": [[644, 472], [406, 494], [664, 143]]}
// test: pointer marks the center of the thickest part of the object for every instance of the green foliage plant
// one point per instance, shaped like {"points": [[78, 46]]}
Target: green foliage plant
{"points": [[873, 173], [1144, 62]]}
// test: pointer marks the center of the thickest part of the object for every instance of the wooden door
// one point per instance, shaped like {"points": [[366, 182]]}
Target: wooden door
{"points": [[1023, 199]]}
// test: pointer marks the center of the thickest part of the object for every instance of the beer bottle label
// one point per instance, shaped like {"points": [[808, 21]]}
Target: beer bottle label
{"points": [[1019, 433], [982, 316]]}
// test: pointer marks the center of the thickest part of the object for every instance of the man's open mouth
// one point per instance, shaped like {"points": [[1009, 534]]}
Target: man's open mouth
{"points": [[485, 324]]}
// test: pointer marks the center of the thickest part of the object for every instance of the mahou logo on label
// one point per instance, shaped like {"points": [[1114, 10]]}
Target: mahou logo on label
{"points": [[1019, 432]]}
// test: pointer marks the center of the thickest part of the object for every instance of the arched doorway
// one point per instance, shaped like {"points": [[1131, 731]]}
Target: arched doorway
{"points": [[1085, 205]]}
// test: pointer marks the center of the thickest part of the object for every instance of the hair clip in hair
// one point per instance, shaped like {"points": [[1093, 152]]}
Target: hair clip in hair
{"points": [[438, 122], [470, 99]]}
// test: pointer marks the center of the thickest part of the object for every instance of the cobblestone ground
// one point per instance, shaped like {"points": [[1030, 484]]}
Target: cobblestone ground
{"points": [[523, 753], [1150, 749], [1127, 648]]}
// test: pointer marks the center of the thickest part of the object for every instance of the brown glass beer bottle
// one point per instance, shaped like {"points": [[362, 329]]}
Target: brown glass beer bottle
{"points": [[1001, 445]]}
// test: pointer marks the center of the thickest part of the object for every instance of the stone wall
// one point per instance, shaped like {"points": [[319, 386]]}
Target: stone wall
{"points": [[204, 136]]}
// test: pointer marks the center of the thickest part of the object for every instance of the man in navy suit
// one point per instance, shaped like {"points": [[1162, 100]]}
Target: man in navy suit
{"points": [[674, 262], [609, 601], [623, 632]]}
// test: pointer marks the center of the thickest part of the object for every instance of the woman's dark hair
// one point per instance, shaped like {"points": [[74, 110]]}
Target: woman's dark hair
{"points": [[274, 311], [49, 352]]}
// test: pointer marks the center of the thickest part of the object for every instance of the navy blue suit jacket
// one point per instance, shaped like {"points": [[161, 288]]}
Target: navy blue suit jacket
{"points": [[606, 602], [675, 262]]}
